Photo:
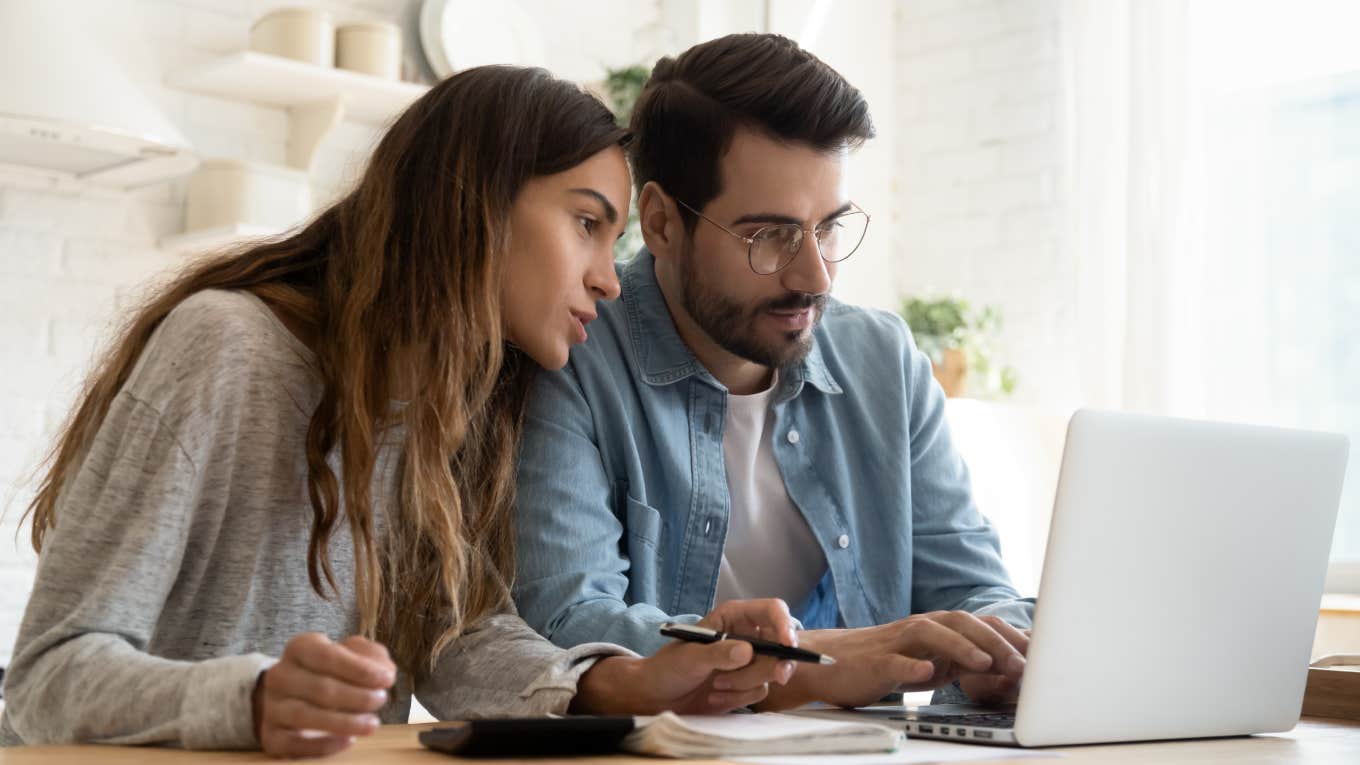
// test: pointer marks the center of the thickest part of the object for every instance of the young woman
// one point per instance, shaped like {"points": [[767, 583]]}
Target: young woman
{"points": [[306, 451]]}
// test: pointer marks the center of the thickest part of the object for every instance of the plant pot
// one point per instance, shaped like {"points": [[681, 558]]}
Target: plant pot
{"points": [[952, 372]]}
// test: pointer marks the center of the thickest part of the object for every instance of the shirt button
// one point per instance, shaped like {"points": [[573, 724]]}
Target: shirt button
{"points": [[843, 541], [793, 436], [708, 525]]}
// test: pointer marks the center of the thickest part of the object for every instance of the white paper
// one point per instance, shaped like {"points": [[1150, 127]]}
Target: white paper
{"points": [[728, 736], [914, 750], [768, 725]]}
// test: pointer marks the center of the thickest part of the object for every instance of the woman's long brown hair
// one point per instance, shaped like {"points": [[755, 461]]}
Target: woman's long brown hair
{"points": [[398, 287]]}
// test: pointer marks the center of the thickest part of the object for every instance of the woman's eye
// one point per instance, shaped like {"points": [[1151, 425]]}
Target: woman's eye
{"points": [[588, 224]]}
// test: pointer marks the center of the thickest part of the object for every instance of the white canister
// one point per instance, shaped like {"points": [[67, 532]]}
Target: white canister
{"points": [[305, 34], [226, 192], [370, 47]]}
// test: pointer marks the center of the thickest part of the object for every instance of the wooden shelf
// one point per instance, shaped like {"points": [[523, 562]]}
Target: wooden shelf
{"points": [[1341, 605], [275, 81], [1333, 688], [317, 99], [204, 240]]}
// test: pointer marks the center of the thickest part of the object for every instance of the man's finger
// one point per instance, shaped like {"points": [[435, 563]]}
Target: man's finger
{"points": [[694, 662], [768, 618], [725, 701], [931, 639], [1018, 639], [763, 670], [989, 689], [725, 655], [1005, 658], [904, 670]]}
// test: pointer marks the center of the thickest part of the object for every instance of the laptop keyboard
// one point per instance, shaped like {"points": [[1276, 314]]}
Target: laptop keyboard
{"points": [[980, 720]]}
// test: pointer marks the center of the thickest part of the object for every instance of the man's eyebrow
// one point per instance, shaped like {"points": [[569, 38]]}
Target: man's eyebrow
{"points": [[843, 209], [610, 212], [772, 218], [765, 218]]}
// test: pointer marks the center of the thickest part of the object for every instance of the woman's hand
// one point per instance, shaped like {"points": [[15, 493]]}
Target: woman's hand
{"points": [[694, 678], [321, 695]]}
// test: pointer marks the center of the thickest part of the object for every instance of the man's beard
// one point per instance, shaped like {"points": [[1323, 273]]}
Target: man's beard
{"points": [[733, 326]]}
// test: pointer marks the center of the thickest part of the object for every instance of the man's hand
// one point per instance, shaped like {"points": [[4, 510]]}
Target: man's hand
{"points": [[320, 695], [920, 652], [694, 678], [992, 687]]}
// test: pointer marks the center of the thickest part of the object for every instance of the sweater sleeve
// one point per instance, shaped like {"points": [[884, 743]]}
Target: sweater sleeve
{"points": [[502, 668], [81, 672]]}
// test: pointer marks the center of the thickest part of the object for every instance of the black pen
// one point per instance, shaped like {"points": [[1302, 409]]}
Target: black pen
{"points": [[695, 634]]}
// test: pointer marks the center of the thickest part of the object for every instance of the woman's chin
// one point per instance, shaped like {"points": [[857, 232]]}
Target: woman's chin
{"points": [[551, 359]]}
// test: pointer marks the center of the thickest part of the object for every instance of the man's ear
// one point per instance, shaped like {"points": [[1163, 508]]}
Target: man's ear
{"points": [[662, 228]]}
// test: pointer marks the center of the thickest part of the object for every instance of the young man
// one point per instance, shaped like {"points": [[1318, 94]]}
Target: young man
{"points": [[729, 431]]}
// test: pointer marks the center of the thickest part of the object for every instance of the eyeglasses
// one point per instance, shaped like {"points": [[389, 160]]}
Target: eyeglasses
{"points": [[774, 247]]}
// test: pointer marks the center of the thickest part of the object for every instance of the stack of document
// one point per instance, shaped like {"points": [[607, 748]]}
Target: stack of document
{"points": [[695, 736]]}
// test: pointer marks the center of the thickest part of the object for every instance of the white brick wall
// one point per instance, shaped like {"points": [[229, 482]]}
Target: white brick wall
{"points": [[962, 183], [69, 260], [979, 157]]}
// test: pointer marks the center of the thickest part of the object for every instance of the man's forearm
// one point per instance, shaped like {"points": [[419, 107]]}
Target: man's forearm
{"points": [[636, 627]]}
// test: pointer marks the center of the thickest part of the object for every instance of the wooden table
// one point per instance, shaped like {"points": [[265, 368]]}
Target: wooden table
{"points": [[1316, 741]]}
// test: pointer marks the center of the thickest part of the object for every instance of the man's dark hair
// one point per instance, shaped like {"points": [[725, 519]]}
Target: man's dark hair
{"points": [[693, 104]]}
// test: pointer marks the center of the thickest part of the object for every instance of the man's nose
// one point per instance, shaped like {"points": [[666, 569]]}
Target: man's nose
{"points": [[808, 273]]}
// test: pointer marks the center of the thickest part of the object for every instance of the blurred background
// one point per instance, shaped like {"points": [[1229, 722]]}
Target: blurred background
{"points": [[1145, 205]]}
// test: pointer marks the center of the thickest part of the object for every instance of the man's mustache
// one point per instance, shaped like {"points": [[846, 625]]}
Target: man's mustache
{"points": [[795, 301]]}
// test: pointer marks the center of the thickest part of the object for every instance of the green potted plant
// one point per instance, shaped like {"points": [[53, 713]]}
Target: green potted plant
{"points": [[621, 89], [958, 339]]}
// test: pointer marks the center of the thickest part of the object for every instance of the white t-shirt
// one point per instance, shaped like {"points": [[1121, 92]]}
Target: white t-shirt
{"points": [[770, 550]]}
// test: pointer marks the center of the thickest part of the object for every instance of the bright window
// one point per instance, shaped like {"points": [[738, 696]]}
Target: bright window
{"points": [[1281, 233]]}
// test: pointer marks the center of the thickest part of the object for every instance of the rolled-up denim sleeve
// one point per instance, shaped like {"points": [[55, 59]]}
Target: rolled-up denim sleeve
{"points": [[956, 565], [572, 577]]}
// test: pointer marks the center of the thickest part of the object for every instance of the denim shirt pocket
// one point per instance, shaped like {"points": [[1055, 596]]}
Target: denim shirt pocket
{"points": [[644, 551]]}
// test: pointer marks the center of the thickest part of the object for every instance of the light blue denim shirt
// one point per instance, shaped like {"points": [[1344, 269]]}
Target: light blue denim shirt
{"points": [[623, 503]]}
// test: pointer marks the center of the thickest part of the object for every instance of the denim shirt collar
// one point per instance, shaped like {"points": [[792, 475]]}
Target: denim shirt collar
{"points": [[662, 355]]}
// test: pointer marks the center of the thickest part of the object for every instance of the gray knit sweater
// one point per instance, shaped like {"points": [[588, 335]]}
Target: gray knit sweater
{"points": [[177, 567]]}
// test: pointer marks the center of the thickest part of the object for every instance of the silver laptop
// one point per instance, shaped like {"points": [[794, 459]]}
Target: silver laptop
{"points": [[1180, 588]]}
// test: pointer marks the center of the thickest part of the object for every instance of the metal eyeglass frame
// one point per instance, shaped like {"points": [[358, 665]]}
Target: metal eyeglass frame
{"points": [[751, 240]]}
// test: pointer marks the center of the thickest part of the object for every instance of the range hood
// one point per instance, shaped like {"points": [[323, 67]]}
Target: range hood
{"points": [[68, 109]]}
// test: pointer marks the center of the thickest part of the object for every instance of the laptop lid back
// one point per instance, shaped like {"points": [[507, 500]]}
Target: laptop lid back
{"points": [[1181, 584]]}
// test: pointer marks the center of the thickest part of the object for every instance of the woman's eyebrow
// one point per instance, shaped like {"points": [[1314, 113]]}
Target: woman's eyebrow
{"points": [[609, 212]]}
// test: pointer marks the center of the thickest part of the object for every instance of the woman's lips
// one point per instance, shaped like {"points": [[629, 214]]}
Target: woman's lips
{"points": [[579, 322]]}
